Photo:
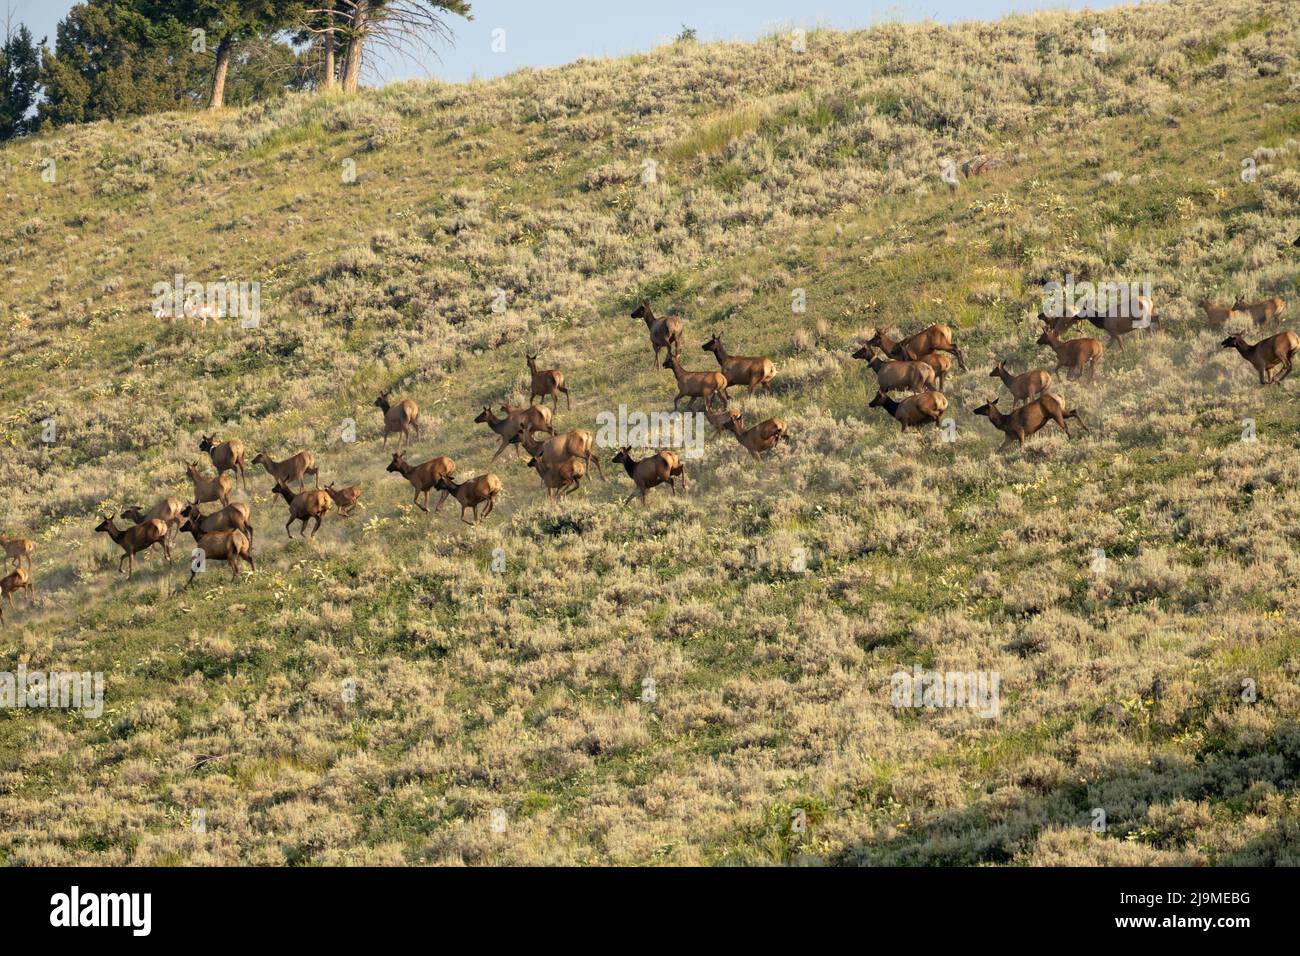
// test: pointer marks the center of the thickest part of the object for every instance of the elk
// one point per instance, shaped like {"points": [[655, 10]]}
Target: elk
{"points": [[760, 438], [168, 510], [16, 580], [1118, 325], [400, 419], [1026, 386], [233, 517], [1022, 422], [693, 385], [935, 338], [226, 456], [517, 421], [1263, 311], [941, 362], [135, 539], [894, 374], [650, 472], [345, 499], [915, 411], [16, 549], [751, 371], [664, 332], [228, 546], [291, 469], [1267, 353], [304, 506], [719, 420], [424, 476], [572, 444], [1074, 354], [559, 477], [472, 493], [209, 489], [546, 382], [1217, 314]]}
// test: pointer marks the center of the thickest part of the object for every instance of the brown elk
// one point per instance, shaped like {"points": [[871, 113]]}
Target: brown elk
{"points": [[934, 338], [559, 477], [1119, 325], [226, 456], [760, 438], [1074, 355], [941, 362], [472, 493], [168, 510], [571, 444], [345, 499], [424, 476], [229, 546], [914, 411], [135, 539], [517, 422], [752, 371], [16, 580], [1023, 387], [18, 549], [304, 506], [546, 382], [894, 374], [233, 517], [1267, 354], [209, 489], [1217, 314], [693, 385], [294, 468], [1263, 311], [1022, 422], [650, 472], [665, 332], [400, 419]]}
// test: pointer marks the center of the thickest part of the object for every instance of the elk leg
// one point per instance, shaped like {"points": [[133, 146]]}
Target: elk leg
{"points": [[249, 559], [416, 499], [568, 402], [314, 529], [440, 501], [286, 527], [233, 561]]}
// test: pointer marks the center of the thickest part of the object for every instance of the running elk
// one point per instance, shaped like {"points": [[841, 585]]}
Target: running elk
{"points": [[169, 511], [935, 338], [665, 332], [1267, 354], [304, 506], [751, 371], [209, 489], [559, 477], [1263, 311], [1217, 314], [1023, 387], [916, 411], [16, 580], [291, 469], [233, 517], [472, 493], [572, 444], [135, 539], [894, 374], [345, 499], [760, 438], [693, 385], [650, 472], [517, 422], [1022, 422], [424, 476], [17, 549], [226, 456], [1074, 355], [228, 546], [546, 382]]}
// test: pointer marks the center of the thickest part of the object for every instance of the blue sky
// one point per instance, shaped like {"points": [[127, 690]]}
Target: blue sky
{"points": [[541, 33]]}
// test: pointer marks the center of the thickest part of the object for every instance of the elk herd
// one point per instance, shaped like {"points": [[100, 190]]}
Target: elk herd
{"points": [[918, 365]]}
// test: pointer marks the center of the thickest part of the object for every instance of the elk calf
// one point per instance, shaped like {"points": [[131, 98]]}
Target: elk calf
{"points": [[915, 411], [762, 437], [1267, 354], [650, 472], [345, 499], [18, 549], [16, 580], [1023, 387], [1074, 355], [559, 477], [1217, 314]]}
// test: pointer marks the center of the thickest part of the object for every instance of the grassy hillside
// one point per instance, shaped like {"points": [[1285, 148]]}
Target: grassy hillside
{"points": [[520, 690]]}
